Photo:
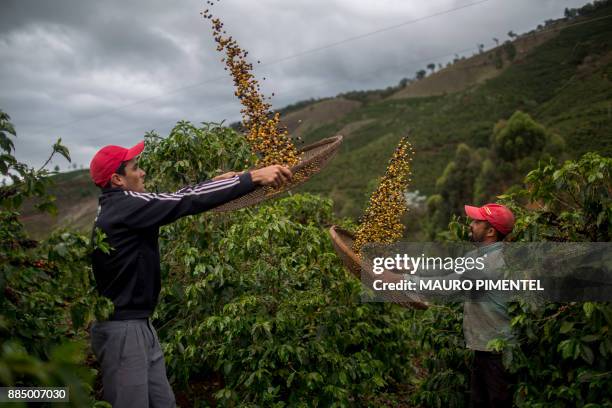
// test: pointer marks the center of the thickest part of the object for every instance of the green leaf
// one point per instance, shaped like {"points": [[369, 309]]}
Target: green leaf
{"points": [[290, 379], [80, 314], [61, 249], [587, 354], [566, 347], [61, 149], [566, 327], [588, 308], [342, 377], [590, 338]]}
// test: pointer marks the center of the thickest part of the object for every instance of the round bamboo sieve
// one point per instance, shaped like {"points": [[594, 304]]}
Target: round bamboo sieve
{"points": [[313, 158], [342, 241]]}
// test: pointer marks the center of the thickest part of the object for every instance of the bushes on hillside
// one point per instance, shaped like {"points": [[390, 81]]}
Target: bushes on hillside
{"points": [[455, 186], [518, 137], [478, 176]]}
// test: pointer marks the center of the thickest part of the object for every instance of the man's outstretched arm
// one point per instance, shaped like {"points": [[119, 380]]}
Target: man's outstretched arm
{"points": [[144, 210]]}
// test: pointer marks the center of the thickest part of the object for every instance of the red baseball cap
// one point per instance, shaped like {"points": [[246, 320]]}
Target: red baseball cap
{"points": [[108, 159], [499, 216]]}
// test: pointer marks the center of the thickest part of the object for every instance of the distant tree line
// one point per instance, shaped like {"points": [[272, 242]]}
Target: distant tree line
{"points": [[507, 49], [474, 175], [587, 9]]}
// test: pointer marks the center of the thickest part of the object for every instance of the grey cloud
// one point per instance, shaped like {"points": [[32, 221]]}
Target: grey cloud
{"points": [[109, 71], [17, 14]]}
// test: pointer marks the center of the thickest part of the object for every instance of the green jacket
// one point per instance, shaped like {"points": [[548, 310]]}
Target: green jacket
{"points": [[488, 318]]}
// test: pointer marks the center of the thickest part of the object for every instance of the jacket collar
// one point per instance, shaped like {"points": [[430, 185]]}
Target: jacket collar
{"points": [[111, 190], [490, 247]]}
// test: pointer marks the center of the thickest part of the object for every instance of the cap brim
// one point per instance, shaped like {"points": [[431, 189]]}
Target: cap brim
{"points": [[474, 212], [134, 151]]}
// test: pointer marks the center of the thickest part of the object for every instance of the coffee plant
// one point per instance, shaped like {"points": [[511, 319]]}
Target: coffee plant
{"points": [[48, 299], [564, 354], [564, 357], [258, 299]]}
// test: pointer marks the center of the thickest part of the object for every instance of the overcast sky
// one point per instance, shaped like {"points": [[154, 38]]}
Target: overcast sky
{"points": [[104, 72]]}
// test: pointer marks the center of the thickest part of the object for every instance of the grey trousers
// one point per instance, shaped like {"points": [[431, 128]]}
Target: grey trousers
{"points": [[132, 364]]}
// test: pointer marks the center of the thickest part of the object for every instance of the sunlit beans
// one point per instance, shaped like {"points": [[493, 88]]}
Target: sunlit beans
{"points": [[381, 221], [268, 138]]}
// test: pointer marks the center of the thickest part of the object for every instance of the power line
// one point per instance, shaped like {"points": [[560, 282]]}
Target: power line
{"points": [[376, 71], [273, 62], [436, 58], [367, 74], [382, 30]]}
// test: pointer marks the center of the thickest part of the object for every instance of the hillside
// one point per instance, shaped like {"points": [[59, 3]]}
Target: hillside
{"points": [[563, 83], [561, 77], [477, 69], [322, 113], [76, 200]]}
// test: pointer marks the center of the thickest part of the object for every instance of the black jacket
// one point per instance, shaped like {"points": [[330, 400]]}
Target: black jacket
{"points": [[130, 274]]}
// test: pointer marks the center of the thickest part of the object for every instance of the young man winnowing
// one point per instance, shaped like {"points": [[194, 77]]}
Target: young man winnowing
{"points": [[127, 346]]}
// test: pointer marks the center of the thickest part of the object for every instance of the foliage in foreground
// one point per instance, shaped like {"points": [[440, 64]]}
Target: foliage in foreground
{"points": [[47, 297], [565, 350]]}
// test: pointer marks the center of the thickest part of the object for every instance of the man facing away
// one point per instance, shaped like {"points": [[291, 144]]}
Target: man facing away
{"points": [[127, 346]]}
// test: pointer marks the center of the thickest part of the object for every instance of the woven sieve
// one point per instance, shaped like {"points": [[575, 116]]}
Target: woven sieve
{"points": [[342, 241], [313, 158]]}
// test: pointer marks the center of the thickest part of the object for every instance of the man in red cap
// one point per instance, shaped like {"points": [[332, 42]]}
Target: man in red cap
{"points": [[127, 346], [486, 318], [485, 315], [491, 222]]}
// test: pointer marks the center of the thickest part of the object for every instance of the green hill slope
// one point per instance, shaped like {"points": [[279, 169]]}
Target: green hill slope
{"points": [[76, 201], [564, 83]]}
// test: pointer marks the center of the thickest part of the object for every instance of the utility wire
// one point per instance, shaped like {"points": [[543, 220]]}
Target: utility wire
{"points": [[300, 90], [382, 30], [215, 107], [273, 62]]}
